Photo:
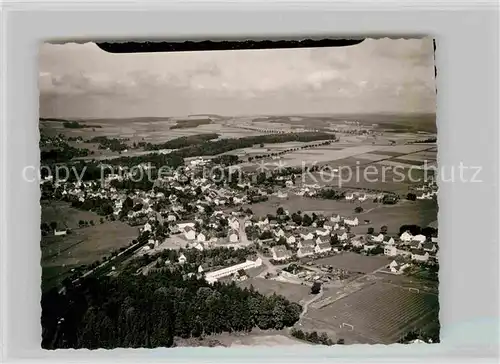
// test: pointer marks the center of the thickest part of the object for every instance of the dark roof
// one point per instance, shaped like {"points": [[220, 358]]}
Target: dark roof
{"points": [[280, 250], [306, 250], [418, 252], [308, 242], [428, 245]]}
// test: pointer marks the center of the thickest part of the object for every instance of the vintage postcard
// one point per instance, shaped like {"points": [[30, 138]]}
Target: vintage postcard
{"points": [[239, 197]]}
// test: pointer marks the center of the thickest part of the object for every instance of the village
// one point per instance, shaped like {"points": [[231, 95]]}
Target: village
{"points": [[185, 211]]}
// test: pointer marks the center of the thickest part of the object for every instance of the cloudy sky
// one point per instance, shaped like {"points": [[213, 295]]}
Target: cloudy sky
{"points": [[385, 75]]}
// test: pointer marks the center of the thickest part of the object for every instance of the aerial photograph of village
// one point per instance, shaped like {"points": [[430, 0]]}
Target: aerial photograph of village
{"points": [[239, 198]]}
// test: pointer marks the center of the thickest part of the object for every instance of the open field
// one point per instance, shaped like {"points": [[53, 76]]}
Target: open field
{"points": [[83, 245], [86, 245], [256, 337], [293, 292], [385, 176], [309, 205], [65, 216], [378, 313], [420, 213], [354, 262], [406, 212]]}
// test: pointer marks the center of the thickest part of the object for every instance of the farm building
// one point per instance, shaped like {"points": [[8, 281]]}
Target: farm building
{"points": [[351, 222], [189, 233], [280, 253], [305, 251], [322, 247], [406, 237], [397, 267], [212, 277], [419, 255]]}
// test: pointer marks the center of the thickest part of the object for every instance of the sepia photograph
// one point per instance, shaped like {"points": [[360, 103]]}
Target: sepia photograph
{"points": [[241, 197]]}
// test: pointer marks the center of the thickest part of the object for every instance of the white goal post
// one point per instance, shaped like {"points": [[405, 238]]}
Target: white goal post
{"points": [[416, 290], [348, 325]]}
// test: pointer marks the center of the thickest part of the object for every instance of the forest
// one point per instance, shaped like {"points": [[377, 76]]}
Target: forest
{"points": [[138, 311]]}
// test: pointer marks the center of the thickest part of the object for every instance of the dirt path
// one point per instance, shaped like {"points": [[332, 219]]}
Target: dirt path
{"points": [[306, 305]]}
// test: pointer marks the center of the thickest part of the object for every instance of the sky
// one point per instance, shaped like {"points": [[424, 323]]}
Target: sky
{"points": [[375, 76]]}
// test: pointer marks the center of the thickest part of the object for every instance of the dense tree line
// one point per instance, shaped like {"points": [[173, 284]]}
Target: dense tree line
{"points": [[63, 153], [213, 147], [76, 125], [415, 230], [314, 337], [330, 194], [99, 205], [429, 336], [114, 144], [138, 311], [157, 160], [182, 142], [184, 124], [226, 145]]}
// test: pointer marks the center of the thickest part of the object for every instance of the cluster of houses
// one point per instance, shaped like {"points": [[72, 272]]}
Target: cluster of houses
{"points": [[361, 197], [427, 191], [307, 241]]}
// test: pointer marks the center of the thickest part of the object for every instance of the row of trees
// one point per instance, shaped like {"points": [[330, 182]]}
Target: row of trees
{"points": [[315, 338], [114, 144], [182, 142], [283, 152], [138, 311], [214, 147]]}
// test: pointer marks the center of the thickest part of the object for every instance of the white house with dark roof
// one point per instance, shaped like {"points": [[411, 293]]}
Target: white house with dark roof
{"points": [[378, 239], [406, 237], [419, 255], [184, 225], [189, 233], [328, 225], [388, 240], [279, 233], [351, 222], [307, 236], [323, 232], [182, 259], [369, 246], [201, 238], [429, 247], [234, 223], [322, 239], [415, 244], [357, 242], [420, 238], [342, 236], [390, 250], [147, 227], [397, 267], [280, 253], [305, 252], [306, 244], [199, 246], [322, 247], [335, 218]]}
